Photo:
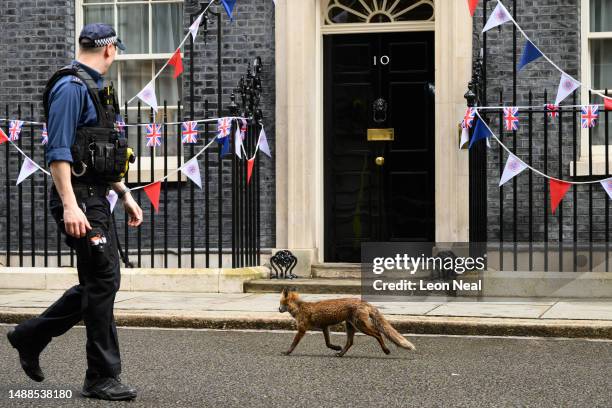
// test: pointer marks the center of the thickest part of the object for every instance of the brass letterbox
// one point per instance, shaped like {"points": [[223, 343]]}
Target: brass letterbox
{"points": [[381, 135]]}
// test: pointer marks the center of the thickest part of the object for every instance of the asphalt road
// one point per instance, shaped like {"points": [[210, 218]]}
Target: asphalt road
{"points": [[245, 369]]}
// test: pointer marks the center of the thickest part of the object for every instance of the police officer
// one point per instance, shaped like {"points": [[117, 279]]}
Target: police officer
{"points": [[87, 156]]}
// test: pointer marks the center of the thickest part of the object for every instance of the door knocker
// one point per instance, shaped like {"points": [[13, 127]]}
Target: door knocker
{"points": [[379, 107]]}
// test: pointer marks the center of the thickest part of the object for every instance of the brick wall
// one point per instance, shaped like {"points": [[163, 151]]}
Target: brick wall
{"points": [[554, 26], [36, 38]]}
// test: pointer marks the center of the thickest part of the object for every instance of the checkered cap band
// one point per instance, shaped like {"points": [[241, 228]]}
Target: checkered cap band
{"points": [[105, 41]]}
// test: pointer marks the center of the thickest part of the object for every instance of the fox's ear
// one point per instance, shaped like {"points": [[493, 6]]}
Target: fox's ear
{"points": [[284, 291]]}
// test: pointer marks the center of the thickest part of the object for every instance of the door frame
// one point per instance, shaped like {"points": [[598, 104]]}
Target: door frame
{"points": [[299, 157]]}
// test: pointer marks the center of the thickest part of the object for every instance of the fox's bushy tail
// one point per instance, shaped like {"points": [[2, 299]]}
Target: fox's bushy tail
{"points": [[390, 333]]}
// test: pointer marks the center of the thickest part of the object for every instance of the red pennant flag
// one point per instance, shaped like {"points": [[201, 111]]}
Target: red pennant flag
{"points": [[152, 191], [558, 189], [608, 104], [250, 169], [472, 4], [177, 63], [3, 137]]}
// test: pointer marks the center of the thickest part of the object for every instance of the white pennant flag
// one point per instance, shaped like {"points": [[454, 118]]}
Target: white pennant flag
{"points": [[514, 166], [567, 85], [147, 95], [112, 199], [196, 26], [499, 16], [607, 185], [27, 168], [465, 137], [238, 141], [192, 170], [263, 143]]}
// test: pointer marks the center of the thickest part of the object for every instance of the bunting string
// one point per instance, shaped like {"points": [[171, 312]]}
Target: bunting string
{"points": [[536, 107], [503, 146], [33, 166], [173, 172], [209, 120], [26, 156], [501, 15], [189, 33]]}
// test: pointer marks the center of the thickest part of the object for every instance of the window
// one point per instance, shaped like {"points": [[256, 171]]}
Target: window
{"points": [[597, 55], [151, 30], [378, 11], [358, 16], [596, 73]]}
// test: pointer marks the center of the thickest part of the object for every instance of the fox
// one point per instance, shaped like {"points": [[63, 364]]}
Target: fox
{"points": [[355, 313]]}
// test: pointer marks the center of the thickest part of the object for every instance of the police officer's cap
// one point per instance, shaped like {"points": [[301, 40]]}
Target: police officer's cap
{"points": [[98, 35]]}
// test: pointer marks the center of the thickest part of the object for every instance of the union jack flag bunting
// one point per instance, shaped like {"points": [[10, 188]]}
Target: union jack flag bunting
{"points": [[45, 135], [243, 128], [120, 125], [589, 116], [154, 134], [468, 118], [511, 119], [224, 127], [190, 132], [15, 129], [553, 110]]}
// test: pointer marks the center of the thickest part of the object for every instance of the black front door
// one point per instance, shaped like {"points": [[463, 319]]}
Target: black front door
{"points": [[378, 190]]}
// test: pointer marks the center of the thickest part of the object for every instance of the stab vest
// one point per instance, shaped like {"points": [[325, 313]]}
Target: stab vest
{"points": [[100, 155]]}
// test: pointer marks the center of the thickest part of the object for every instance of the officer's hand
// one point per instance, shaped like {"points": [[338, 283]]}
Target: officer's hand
{"points": [[133, 210], [75, 221]]}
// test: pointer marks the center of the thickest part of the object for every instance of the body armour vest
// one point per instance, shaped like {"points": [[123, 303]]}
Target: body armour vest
{"points": [[100, 155]]}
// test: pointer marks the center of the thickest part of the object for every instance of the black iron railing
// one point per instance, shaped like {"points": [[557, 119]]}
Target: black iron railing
{"points": [[516, 219], [221, 218]]}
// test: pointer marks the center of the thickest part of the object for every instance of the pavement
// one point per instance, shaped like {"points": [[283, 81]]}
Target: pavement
{"points": [[207, 368], [499, 317]]}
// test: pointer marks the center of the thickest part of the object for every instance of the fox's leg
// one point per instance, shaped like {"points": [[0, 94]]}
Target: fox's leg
{"points": [[368, 328], [350, 333], [296, 340], [327, 342]]}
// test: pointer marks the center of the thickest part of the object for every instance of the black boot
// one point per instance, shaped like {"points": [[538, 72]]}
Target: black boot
{"points": [[107, 388], [28, 358]]}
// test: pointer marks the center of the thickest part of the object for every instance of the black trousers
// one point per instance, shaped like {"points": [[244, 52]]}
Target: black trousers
{"points": [[92, 299]]}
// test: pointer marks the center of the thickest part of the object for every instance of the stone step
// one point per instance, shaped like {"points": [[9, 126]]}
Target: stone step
{"points": [[336, 271], [316, 286], [349, 271]]}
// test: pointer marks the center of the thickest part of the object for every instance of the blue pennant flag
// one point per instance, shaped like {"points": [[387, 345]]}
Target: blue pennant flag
{"points": [[226, 146], [530, 53], [229, 7], [480, 132]]}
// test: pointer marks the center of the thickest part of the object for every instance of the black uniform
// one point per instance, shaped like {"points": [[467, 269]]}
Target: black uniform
{"points": [[97, 154]]}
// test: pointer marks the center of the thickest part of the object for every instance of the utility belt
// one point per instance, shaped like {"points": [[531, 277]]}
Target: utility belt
{"points": [[100, 155], [84, 191]]}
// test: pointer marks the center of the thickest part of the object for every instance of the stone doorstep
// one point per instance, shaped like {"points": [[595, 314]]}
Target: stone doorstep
{"points": [[312, 286], [336, 271], [212, 280]]}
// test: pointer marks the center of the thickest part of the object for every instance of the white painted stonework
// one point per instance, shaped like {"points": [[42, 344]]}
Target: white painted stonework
{"points": [[300, 27]]}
